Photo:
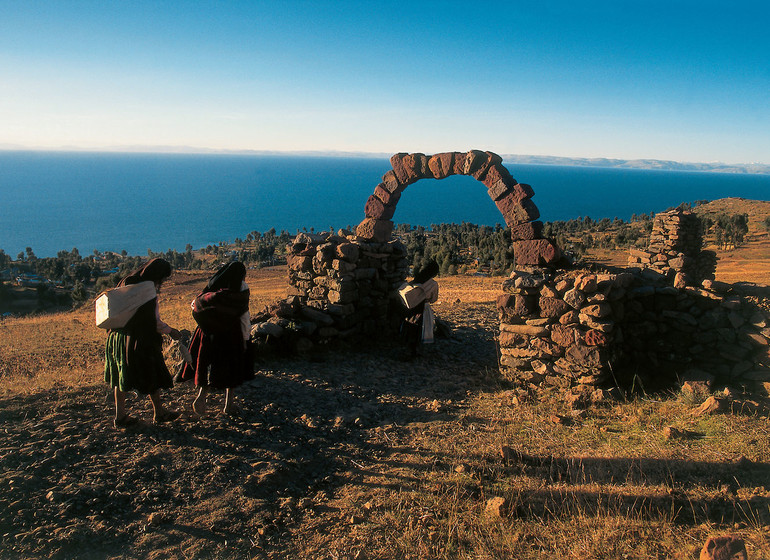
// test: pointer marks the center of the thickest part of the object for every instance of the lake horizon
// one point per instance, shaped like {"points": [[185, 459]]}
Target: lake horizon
{"points": [[108, 201]]}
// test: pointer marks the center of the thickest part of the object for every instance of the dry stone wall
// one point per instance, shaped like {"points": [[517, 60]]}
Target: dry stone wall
{"points": [[674, 249], [583, 331], [338, 286]]}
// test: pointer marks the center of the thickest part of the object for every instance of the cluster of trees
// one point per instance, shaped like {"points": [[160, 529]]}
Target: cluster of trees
{"points": [[458, 247], [257, 250], [70, 271], [581, 234], [729, 230]]}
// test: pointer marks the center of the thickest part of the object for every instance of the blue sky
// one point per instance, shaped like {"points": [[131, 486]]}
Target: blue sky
{"points": [[686, 81]]}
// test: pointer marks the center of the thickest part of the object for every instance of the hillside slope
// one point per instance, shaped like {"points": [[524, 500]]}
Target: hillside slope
{"points": [[356, 454]]}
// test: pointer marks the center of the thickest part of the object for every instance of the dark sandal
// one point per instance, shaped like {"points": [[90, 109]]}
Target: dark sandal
{"points": [[125, 422], [168, 416]]}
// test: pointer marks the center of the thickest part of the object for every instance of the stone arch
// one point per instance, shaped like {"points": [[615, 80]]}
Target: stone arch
{"points": [[513, 199]]}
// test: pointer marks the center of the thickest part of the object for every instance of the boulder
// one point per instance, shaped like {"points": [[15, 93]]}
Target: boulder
{"points": [[553, 307], [404, 168], [391, 183]]}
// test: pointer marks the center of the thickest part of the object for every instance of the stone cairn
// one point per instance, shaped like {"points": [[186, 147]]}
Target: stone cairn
{"points": [[674, 249], [339, 285]]}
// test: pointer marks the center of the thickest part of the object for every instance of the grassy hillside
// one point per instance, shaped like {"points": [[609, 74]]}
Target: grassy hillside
{"points": [[357, 454]]}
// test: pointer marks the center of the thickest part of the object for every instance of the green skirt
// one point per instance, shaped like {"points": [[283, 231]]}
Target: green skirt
{"points": [[135, 363]]}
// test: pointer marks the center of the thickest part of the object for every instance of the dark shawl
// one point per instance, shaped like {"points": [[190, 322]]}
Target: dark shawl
{"points": [[217, 347], [425, 273], [219, 307], [156, 270]]}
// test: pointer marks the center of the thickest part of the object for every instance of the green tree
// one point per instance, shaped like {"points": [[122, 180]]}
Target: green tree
{"points": [[79, 294]]}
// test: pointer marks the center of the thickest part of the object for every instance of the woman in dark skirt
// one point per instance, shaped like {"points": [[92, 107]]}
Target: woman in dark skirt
{"points": [[219, 345], [134, 354], [412, 325]]}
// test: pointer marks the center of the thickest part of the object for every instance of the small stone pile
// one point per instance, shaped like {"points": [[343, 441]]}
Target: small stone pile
{"points": [[339, 285], [583, 331], [513, 199], [674, 249]]}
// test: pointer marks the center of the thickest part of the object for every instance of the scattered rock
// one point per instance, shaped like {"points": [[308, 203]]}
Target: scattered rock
{"points": [[497, 507], [729, 547], [712, 405]]}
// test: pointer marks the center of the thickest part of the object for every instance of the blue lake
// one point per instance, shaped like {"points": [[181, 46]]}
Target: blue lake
{"points": [[55, 200]]}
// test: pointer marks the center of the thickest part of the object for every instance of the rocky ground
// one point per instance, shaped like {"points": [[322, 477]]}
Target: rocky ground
{"points": [[355, 453], [74, 486]]}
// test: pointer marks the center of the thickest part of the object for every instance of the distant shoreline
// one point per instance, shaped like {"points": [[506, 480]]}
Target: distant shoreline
{"points": [[642, 163]]}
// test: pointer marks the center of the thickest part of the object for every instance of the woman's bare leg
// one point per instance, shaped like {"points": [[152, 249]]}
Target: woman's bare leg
{"points": [[199, 404], [120, 404], [229, 397]]}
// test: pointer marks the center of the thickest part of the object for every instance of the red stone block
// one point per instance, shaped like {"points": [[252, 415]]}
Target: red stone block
{"points": [[375, 208], [564, 336], [596, 338], [553, 307], [459, 164], [440, 165], [535, 252], [375, 230], [515, 214], [386, 196], [498, 190], [391, 183], [512, 340], [725, 547], [498, 172], [491, 159], [516, 210], [522, 191], [498, 180], [504, 300], [525, 305], [419, 163], [527, 231], [299, 263], [404, 168], [474, 159]]}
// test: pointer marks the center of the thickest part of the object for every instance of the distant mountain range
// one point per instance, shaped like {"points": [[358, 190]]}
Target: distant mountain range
{"points": [[718, 167], [640, 164]]}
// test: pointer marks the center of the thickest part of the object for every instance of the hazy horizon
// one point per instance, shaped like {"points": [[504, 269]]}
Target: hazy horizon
{"points": [[192, 150]]}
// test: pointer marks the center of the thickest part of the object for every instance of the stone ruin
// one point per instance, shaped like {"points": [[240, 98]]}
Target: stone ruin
{"points": [[343, 283], [584, 331], [675, 249]]}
